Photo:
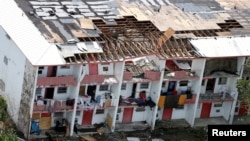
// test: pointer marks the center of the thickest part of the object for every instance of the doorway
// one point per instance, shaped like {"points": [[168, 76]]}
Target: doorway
{"points": [[82, 91], [210, 85], [49, 93], [205, 111], [133, 90], [171, 86], [91, 92], [52, 71], [127, 115]]}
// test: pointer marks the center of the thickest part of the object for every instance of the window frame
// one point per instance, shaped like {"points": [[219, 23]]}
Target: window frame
{"points": [[222, 81], [60, 91], [144, 85], [104, 87]]}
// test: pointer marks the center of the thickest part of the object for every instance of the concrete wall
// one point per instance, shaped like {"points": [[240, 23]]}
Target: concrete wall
{"points": [[13, 65], [102, 69], [27, 98]]}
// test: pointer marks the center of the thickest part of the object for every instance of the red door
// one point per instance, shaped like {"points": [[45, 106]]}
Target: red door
{"points": [[127, 115], [93, 68], [243, 109], [87, 117], [167, 113], [205, 111]]}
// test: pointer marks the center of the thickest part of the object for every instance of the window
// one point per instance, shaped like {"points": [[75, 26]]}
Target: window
{"points": [[123, 87], [183, 83], [144, 85], [99, 111], [65, 67], [58, 114], [78, 113], [218, 105], [62, 90], [104, 88], [105, 68], [119, 110], [38, 91], [140, 109], [40, 70], [222, 80]]}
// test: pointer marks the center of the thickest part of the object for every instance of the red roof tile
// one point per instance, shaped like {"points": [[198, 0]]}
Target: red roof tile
{"points": [[62, 80]]}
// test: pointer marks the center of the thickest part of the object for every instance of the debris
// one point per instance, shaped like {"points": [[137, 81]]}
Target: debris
{"points": [[88, 138]]}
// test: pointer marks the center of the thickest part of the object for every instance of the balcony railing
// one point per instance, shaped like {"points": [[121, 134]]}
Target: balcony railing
{"points": [[215, 97], [49, 105], [180, 75], [147, 75]]}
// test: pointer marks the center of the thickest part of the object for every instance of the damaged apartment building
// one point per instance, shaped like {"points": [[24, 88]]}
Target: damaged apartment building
{"points": [[120, 62]]}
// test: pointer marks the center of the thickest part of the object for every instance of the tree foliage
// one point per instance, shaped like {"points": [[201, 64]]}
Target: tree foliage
{"points": [[243, 86], [6, 131]]}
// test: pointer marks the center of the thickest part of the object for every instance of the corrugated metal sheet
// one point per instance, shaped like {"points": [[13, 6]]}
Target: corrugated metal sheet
{"points": [[26, 36], [222, 46]]}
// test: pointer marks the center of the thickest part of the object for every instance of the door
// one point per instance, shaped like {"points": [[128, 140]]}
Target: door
{"points": [[51, 71], [243, 109], [93, 68], [127, 115], [210, 85], [91, 92], [171, 86], [87, 117], [45, 121], [82, 90], [205, 111], [49, 93], [167, 113]]}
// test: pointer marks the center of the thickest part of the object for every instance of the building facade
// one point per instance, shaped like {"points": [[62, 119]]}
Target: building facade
{"points": [[120, 71]]}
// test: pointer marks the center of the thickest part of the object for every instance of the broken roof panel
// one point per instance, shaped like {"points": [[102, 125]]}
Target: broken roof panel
{"points": [[121, 28]]}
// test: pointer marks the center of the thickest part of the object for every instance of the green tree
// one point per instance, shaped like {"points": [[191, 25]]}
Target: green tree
{"points": [[243, 86], [6, 131]]}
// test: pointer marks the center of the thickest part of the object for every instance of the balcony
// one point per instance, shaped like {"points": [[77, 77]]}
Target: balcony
{"points": [[84, 102], [180, 75], [49, 105], [145, 76], [215, 97], [56, 81]]}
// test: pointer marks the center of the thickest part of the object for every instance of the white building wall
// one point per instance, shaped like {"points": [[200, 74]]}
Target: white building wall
{"points": [[227, 106], [11, 73], [217, 111], [107, 66], [179, 113], [61, 96], [140, 116], [198, 110], [128, 91], [198, 66], [98, 118], [64, 71]]}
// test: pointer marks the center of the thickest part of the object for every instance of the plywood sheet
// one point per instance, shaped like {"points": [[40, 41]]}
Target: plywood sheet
{"points": [[109, 121], [45, 123], [36, 116], [161, 101]]}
